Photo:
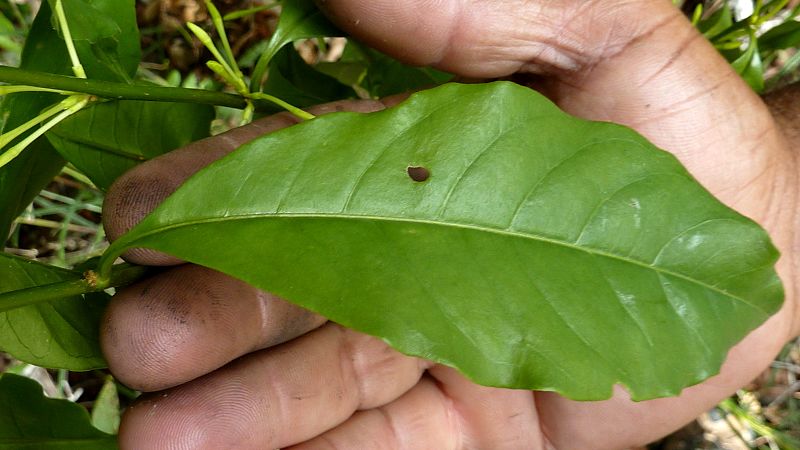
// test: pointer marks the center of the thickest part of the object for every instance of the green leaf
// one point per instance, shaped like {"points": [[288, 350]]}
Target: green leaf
{"points": [[542, 252], [105, 410], [299, 19], [107, 139], [387, 76], [785, 35], [59, 334], [717, 23], [295, 82], [106, 36], [29, 420], [750, 67], [30, 172]]}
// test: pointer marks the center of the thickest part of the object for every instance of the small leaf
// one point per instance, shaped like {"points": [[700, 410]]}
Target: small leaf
{"points": [[107, 139], [59, 334], [105, 410], [295, 82], [717, 23], [541, 252], [387, 76], [750, 67], [785, 35], [299, 19], [28, 419]]}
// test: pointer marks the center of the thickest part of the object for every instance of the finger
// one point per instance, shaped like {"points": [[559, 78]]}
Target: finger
{"points": [[136, 193], [189, 321], [445, 411], [275, 397]]}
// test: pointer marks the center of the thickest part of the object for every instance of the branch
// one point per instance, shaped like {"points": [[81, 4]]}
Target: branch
{"points": [[122, 275], [123, 91]]}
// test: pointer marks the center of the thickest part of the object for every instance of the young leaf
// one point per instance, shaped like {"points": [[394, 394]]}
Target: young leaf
{"points": [[107, 139], [481, 227], [59, 334], [299, 19], [28, 419]]}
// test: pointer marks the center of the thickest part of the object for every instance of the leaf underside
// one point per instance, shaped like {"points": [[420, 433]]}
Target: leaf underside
{"points": [[543, 252]]}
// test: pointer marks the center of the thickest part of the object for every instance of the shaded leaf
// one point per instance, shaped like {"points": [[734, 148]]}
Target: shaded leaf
{"points": [[26, 175], [541, 252], [105, 410], [750, 67], [717, 23], [295, 82], [106, 36], [29, 420], [299, 19], [785, 35], [107, 139], [59, 334]]}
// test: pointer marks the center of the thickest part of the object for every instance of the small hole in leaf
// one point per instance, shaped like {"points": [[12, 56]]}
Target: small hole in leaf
{"points": [[418, 173]]}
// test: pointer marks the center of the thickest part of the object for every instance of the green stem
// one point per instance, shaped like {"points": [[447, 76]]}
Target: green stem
{"points": [[77, 67], [122, 275], [122, 91]]}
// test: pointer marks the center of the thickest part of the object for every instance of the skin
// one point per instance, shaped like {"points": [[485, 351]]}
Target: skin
{"points": [[213, 342]]}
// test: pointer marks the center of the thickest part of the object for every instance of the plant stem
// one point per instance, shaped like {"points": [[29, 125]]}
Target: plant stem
{"points": [[122, 275], [122, 91]]}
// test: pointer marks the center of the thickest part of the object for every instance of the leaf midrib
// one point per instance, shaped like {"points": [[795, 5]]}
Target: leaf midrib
{"points": [[126, 244]]}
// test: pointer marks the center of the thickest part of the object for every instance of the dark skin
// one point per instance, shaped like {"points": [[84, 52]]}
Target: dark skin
{"points": [[300, 382]]}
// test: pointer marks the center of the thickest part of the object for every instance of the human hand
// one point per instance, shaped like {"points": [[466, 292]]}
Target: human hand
{"points": [[639, 63]]}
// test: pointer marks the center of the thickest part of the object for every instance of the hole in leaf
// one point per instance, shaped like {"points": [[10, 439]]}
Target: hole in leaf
{"points": [[418, 173]]}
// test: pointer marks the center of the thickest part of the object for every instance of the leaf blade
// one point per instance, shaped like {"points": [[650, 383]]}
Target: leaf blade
{"points": [[59, 334], [556, 242], [30, 420]]}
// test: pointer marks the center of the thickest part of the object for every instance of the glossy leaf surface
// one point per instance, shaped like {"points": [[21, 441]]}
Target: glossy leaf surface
{"points": [[59, 334], [29, 420], [541, 252], [107, 139]]}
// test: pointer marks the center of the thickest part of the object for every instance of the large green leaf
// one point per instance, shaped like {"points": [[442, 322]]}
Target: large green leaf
{"points": [[299, 19], [45, 51], [26, 175], [29, 420], [59, 334], [106, 36], [107, 139], [543, 251]]}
